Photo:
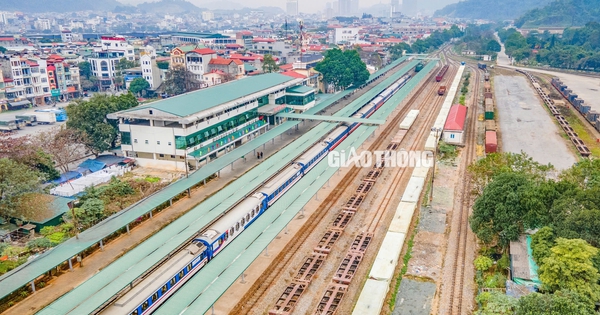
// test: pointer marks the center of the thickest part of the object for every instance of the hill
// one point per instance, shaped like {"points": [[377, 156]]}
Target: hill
{"points": [[495, 10], [168, 7], [37, 6], [562, 13]]}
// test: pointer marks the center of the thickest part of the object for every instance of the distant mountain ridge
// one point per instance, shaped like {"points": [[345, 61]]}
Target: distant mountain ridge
{"points": [[168, 7], [562, 13], [38, 6], [494, 10]]}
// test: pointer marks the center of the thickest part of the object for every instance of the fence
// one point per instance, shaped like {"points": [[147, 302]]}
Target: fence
{"points": [[77, 186]]}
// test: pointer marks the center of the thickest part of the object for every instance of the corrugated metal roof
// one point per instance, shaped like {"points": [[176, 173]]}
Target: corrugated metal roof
{"points": [[456, 118], [300, 89], [197, 101]]}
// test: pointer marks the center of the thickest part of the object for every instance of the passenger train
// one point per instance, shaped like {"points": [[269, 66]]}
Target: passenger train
{"points": [[146, 296]]}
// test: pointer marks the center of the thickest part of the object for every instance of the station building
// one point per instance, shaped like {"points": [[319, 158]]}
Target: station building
{"points": [[199, 126]]}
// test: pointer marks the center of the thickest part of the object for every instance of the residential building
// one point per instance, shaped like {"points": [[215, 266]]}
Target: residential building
{"points": [[68, 37], [244, 39], [345, 35], [292, 7], [104, 65], [131, 74], [201, 125], [42, 24], [117, 43], [178, 55], [3, 105], [207, 16], [345, 7], [150, 71], [231, 67], [197, 60], [273, 47], [27, 81]]}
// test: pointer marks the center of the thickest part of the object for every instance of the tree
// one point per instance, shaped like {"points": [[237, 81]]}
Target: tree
{"points": [[163, 65], [398, 50], [180, 80], [269, 64], [90, 212], [559, 303], [569, 267], [494, 46], [484, 170], [26, 151], [541, 243], [138, 85], [16, 181], [85, 69], [89, 117], [502, 212], [343, 69], [63, 145], [483, 263], [122, 65]]}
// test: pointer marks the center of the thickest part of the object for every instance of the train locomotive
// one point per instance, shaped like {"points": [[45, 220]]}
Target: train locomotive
{"points": [[145, 297]]}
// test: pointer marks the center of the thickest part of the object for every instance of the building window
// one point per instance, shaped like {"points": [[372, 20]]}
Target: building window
{"points": [[150, 112], [134, 140], [158, 142], [146, 141], [172, 156], [161, 155], [126, 138], [169, 143]]}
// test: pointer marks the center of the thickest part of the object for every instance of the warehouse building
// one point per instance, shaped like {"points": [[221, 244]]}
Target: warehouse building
{"points": [[201, 125]]}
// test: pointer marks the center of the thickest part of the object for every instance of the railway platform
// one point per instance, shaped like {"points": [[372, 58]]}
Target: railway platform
{"points": [[149, 253]]}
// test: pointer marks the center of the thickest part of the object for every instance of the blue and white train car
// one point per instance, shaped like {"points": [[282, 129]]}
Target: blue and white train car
{"points": [[282, 182], [147, 295]]}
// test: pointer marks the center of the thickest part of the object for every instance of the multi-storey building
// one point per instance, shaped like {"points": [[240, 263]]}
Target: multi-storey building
{"points": [[345, 35], [150, 70], [211, 40], [28, 81], [201, 125], [292, 7], [197, 60], [104, 59], [178, 55], [3, 105]]}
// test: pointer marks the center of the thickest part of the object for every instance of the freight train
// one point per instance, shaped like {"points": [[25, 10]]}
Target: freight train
{"points": [[577, 103], [156, 287], [440, 75]]}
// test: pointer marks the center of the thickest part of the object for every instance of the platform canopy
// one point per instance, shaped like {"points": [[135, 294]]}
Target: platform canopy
{"points": [[365, 121]]}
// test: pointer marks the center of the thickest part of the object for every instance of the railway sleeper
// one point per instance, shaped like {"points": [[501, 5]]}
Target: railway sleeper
{"points": [[310, 266], [343, 219], [348, 267], [287, 301], [331, 299], [325, 244]]}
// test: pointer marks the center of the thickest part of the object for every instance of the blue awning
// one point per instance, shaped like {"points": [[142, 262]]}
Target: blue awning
{"points": [[66, 177], [92, 165]]}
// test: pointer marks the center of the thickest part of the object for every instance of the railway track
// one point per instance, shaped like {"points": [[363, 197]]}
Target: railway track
{"points": [[283, 259], [457, 288], [338, 287]]}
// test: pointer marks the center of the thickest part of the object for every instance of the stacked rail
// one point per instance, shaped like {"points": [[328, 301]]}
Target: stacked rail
{"points": [[575, 101], [330, 301], [375, 290], [434, 135]]}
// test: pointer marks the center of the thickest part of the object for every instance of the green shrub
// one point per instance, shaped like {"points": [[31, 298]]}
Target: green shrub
{"points": [[3, 246], [483, 263], [39, 243], [152, 179], [497, 280], [504, 262], [66, 228], [57, 237], [47, 230]]}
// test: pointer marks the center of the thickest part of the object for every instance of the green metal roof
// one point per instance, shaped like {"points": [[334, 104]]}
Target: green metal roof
{"points": [[104, 284], [332, 118], [248, 67], [205, 288], [300, 89], [197, 101]]}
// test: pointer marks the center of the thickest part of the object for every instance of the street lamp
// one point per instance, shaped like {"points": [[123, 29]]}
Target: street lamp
{"points": [[437, 131]]}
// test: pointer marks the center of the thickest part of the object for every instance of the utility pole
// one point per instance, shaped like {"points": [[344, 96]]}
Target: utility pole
{"points": [[436, 130]]}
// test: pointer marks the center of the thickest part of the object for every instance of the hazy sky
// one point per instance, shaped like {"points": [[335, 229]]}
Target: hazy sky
{"points": [[309, 6]]}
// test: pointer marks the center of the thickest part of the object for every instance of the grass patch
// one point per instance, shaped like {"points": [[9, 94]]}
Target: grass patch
{"points": [[405, 260]]}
